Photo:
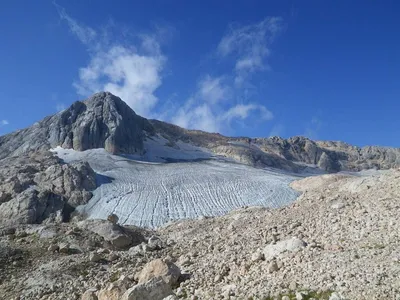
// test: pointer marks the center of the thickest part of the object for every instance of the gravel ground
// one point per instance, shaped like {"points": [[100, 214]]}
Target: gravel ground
{"points": [[339, 240]]}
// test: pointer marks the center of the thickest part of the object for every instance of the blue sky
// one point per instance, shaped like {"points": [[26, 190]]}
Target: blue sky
{"points": [[328, 70]]}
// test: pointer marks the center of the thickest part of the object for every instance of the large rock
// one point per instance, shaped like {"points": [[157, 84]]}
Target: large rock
{"points": [[111, 292], [119, 236], [74, 181], [36, 186], [168, 271], [89, 295], [274, 250], [154, 289], [33, 206]]}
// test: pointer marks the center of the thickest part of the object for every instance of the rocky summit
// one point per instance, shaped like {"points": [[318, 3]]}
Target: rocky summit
{"points": [[105, 121], [338, 240], [102, 121]]}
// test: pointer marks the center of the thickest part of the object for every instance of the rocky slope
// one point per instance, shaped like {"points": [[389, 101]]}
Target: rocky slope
{"points": [[339, 240], [105, 121]]}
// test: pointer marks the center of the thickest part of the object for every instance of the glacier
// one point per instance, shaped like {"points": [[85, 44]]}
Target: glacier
{"points": [[149, 192]]}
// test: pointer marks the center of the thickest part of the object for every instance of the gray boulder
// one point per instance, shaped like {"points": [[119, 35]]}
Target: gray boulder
{"points": [[168, 271], [118, 236], [74, 181], [36, 186], [32, 206], [154, 289]]}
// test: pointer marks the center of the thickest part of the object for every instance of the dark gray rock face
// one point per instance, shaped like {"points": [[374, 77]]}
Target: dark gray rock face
{"points": [[284, 154], [101, 121], [331, 156], [36, 186]]}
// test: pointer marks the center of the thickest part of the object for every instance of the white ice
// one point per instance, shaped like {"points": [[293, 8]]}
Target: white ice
{"points": [[149, 194]]}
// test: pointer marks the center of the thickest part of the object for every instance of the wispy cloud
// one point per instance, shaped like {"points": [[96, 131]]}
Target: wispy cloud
{"points": [[212, 108], [131, 71], [242, 111], [223, 100], [85, 34], [250, 46], [214, 90], [4, 123]]}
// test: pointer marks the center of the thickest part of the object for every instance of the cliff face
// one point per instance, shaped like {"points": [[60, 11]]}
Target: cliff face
{"points": [[330, 156], [101, 121]]}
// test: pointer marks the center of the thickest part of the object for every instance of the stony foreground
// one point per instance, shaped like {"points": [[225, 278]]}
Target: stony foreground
{"points": [[339, 240]]}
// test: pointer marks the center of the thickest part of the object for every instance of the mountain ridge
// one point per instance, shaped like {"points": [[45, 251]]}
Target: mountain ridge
{"points": [[106, 121]]}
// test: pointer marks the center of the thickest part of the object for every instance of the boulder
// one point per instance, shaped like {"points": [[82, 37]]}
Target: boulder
{"points": [[274, 250], [53, 248], [63, 248], [154, 289], [154, 243], [273, 267], [111, 292], [113, 218], [36, 187], [257, 256], [115, 234], [168, 271], [74, 181], [32, 206], [90, 294], [94, 257]]}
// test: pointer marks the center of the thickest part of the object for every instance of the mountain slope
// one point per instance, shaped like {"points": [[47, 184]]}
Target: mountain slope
{"points": [[105, 121]]}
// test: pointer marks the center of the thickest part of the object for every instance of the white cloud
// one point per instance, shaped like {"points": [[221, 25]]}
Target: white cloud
{"points": [[132, 72], [125, 73], [199, 112], [198, 117], [242, 111], [4, 123], [213, 90], [250, 46]]}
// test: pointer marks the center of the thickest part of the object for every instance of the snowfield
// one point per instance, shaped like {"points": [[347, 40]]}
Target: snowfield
{"points": [[153, 193]]}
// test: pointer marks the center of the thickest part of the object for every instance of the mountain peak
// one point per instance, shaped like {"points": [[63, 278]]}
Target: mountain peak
{"points": [[103, 97], [101, 121]]}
